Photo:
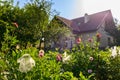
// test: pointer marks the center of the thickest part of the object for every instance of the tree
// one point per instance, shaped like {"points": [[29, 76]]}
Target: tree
{"points": [[56, 30], [6, 19], [35, 23], [34, 20], [116, 33]]}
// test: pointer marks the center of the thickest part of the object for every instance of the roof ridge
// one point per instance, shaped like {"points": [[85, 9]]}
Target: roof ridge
{"points": [[62, 17], [93, 14], [59, 17], [101, 12], [102, 20]]}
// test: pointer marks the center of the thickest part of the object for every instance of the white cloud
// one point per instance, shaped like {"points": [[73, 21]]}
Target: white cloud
{"points": [[93, 6]]}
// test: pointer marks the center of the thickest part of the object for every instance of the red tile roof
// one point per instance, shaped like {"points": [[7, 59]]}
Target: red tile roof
{"points": [[95, 20]]}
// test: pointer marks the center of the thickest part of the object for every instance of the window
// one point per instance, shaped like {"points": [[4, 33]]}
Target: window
{"points": [[79, 24], [109, 41]]}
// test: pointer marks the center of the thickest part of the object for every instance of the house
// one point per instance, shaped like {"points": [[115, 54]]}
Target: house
{"points": [[88, 26]]}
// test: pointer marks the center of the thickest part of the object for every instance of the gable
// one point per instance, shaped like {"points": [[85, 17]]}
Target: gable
{"points": [[95, 21]]}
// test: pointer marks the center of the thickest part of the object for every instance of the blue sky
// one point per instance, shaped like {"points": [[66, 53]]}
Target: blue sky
{"points": [[76, 8], [64, 7], [21, 2]]}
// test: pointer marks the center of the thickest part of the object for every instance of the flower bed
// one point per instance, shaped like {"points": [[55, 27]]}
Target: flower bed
{"points": [[83, 63]]}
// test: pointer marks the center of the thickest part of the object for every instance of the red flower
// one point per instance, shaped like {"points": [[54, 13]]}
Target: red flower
{"points": [[59, 57], [16, 25], [41, 53], [90, 39], [98, 35], [78, 40]]}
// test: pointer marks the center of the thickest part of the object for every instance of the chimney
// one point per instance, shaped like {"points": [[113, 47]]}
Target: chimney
{"points": [[86, 18]]}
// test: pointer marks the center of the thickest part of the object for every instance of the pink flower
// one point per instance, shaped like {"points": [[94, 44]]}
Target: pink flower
{"points": [[89, 70], [41, 53], [59, 57], [78, 40], [16, 25], [91, 58], [90, 39]]}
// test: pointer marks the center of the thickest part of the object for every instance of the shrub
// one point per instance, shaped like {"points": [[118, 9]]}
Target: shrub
{"points": [[85, 62]]}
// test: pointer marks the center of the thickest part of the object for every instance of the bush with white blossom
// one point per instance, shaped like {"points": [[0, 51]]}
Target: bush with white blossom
{"points": [[26, 63]]}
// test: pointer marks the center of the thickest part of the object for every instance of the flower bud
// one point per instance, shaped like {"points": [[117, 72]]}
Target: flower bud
{"points": [[78, 40], [89, 70], [41, 53], [16, 25], [59, 57], [90, 39], [98, 35]]}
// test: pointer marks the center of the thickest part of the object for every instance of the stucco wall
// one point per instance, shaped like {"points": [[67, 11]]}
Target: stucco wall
{"points": [[86, 36], [69, 38], [103, 39]]}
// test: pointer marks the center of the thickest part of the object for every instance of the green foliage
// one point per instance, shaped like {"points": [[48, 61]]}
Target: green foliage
{"points": [[82, 77], [6, 20], [113, 68], [81, 61], [33, 20], [67, 76], [115, 31], [46, 67], [86, 62], [37, 21], [55, 30], [83, 58], [2, 30], [10, 40]]}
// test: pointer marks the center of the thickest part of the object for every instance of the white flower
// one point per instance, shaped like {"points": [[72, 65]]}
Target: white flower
{"points": [[17, 46], [65, 54], [43, 39], [26, 63], [65, 57], [91, 58], [115, 51]]}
